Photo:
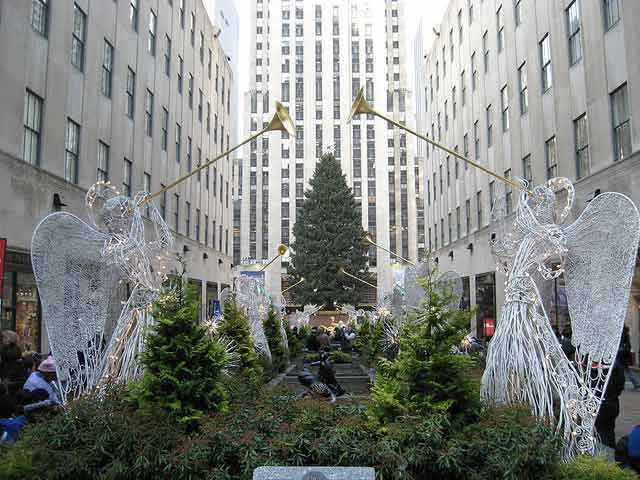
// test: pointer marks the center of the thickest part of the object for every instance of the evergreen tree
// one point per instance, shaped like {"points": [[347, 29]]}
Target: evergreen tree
{"points": [[234, 326], [328, 236], [184, 367], [426, 377], [273, 332]]}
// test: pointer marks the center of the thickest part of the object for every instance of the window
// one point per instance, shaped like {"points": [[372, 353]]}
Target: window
{"points": [[178, 142], [148, 114], [573, 29], [147, 185], [551, 158], [500, 23], [192, 28], [508, 192], [479, 209], [504, 95], [181, 9], [474, 72], [527, 173], [189, 151], [201, 48], [32, 126], [489, 126], [470, 8], [190, 91], [126, 178], [165, 129], [517, 12], [206, 229], [476, 138], [492, 193], [524, 89], [72, 150], [187, 219], [180, 72], [611, 13], [485, 50], [163, 203], [198, 224], [458, 225], [545, 60], [103, 162], [460, 26], [582, 146], [39, 16], [151, 46], [131, 89], [463, 89], [107, 69], [200, 102], [167, 56], [467, 210], [454, 104], [78, 37], [621, 123], [176, 212]]}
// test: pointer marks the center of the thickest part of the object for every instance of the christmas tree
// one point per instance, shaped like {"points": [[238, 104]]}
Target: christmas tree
{"points": [[426, 377], [273, 332], [234, 327], [184, 368], [328, 236]]}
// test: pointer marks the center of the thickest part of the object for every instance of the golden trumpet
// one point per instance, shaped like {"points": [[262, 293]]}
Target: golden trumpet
{"points": [[344, 272], [294, 285], [360, 106], [368, 238], [281, 121], [282, 249]]}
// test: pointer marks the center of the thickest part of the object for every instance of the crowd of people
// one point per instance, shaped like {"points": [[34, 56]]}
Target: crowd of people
{"points": [[322, 338], [27, 386]]}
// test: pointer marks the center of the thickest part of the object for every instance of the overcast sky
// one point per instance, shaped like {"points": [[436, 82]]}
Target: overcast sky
{"points": [[430, 11]]}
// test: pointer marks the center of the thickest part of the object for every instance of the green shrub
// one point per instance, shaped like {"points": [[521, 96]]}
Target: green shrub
{"points": [[590, 468], [426, 377], [184, 367], [272, 330], [234, 326], [506, 443], [336, 357], [113, 440], [368, 341]]}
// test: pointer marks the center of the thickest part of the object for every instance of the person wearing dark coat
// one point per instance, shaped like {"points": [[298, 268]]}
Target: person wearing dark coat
{"points": [[610, 407]]}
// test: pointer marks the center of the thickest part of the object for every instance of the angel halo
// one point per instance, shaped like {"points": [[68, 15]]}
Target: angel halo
{"points": [[596, 253]]}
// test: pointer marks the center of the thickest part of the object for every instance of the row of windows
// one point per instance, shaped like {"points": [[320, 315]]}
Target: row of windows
{"points": [[39, 22], [622, 139]]}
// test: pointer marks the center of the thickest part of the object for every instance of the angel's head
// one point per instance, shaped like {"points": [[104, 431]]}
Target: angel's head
{"points": [[109, 211], [553, 201]]}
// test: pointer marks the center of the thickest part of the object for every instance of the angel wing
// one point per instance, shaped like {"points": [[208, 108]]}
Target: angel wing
{"points": [[601, 254], [78, 295]]}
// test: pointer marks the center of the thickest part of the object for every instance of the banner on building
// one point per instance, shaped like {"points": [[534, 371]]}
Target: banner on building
{"points": [[217, 310]]}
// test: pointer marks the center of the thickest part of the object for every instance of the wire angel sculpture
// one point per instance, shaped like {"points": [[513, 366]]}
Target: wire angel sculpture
{"points": [[78, 268], [251, 296], [597, 254]]}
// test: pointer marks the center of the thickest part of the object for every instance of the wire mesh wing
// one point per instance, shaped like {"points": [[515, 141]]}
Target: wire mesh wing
{"points": [[600, 260], [78, 294]]}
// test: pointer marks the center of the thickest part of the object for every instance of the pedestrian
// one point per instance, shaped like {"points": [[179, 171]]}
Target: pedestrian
{"points": [[610, 407], [44, 379], [627, 359], [628, 450], [323, 339]]}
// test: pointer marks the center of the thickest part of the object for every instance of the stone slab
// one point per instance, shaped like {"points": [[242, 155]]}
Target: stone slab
{"points": [[314, 473]]}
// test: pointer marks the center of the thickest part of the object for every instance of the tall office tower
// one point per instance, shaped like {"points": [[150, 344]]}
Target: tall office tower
{"points": [[314, 55], [529, 89], [133, 92]]}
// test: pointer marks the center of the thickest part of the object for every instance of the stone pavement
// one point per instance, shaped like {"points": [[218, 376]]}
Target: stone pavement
{"points": [[629, 411]]}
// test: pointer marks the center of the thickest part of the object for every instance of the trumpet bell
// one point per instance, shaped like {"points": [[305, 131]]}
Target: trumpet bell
{"points": [[360, 105], [282, 249], [281, 121]]}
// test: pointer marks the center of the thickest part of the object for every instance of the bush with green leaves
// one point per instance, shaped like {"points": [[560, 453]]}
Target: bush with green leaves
{"points": [[184, 367], [111, 439], [234, 328], [273, 332], [368, 340], [336, 357], [590, 468], [426, 377]]}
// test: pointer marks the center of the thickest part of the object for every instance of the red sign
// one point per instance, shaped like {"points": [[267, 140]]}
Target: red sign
{"points": [[3, 250]]}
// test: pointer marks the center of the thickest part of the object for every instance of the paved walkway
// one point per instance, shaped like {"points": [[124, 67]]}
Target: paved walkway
{"points": [[629, 411]]}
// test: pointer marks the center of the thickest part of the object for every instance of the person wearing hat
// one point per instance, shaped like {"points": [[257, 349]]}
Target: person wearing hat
{"points": [[43, 379]]}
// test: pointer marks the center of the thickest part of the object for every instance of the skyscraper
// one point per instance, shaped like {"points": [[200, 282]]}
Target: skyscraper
{"points": [[314, 56]]}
